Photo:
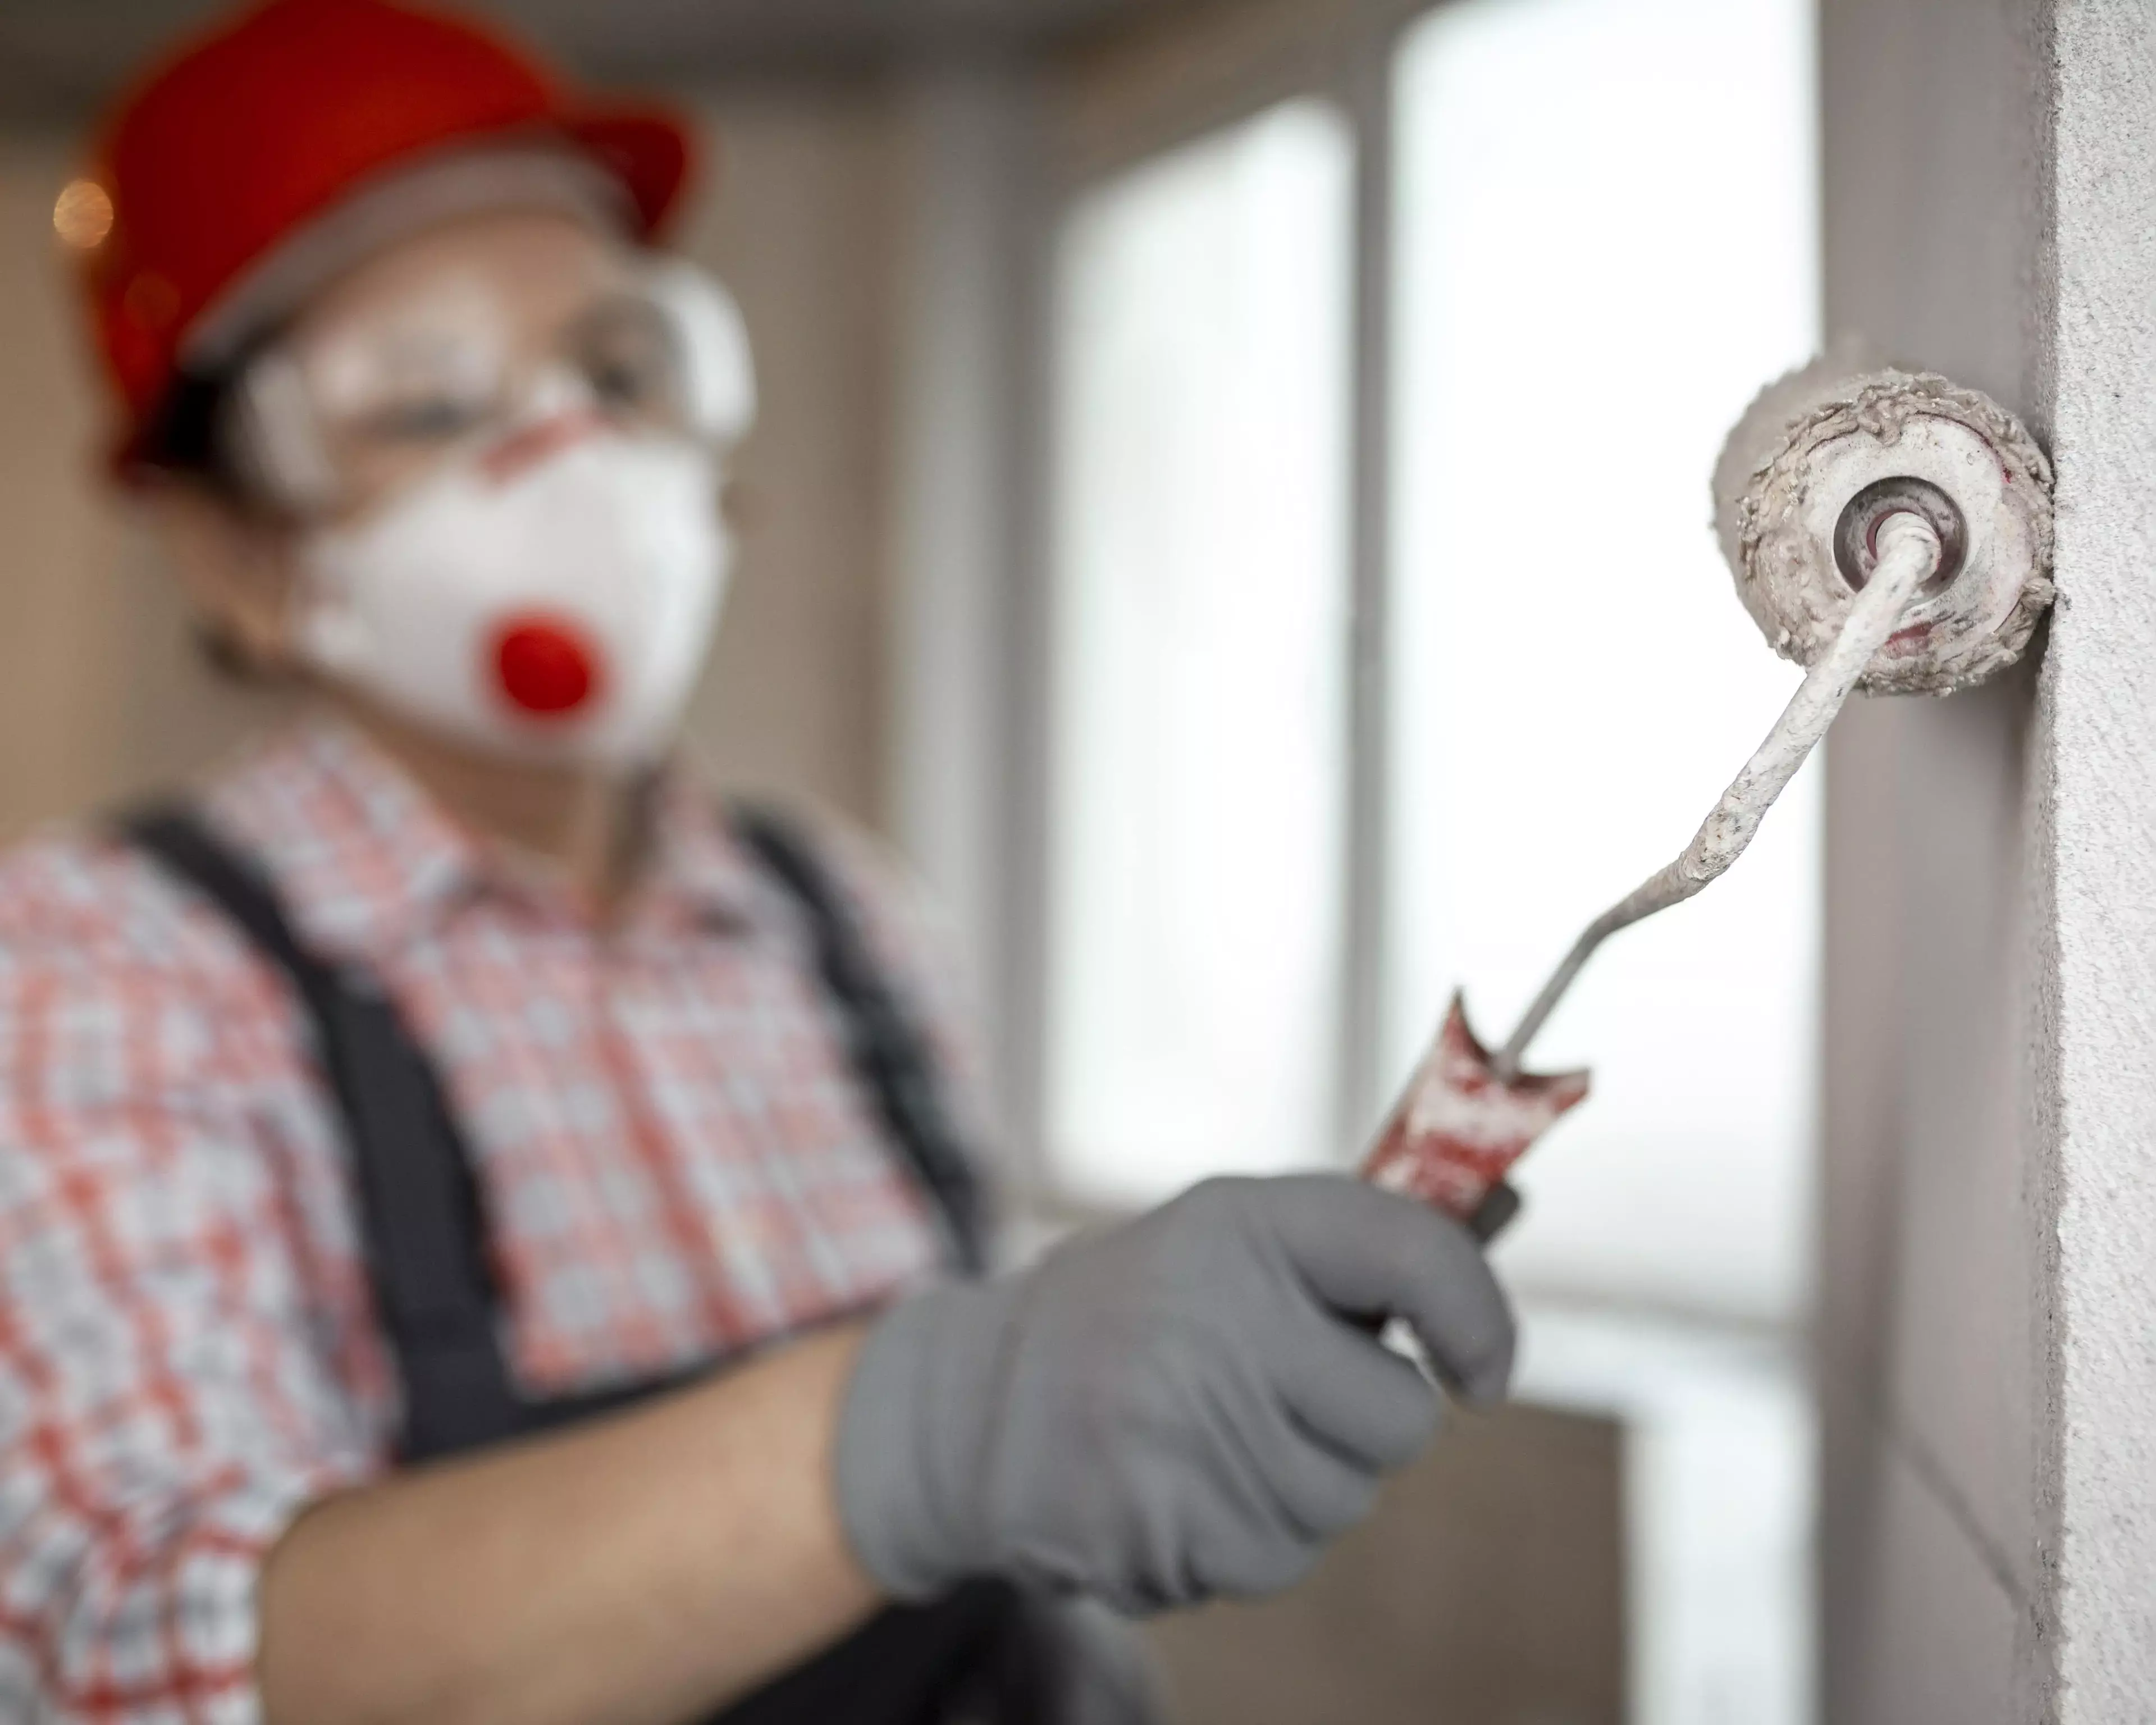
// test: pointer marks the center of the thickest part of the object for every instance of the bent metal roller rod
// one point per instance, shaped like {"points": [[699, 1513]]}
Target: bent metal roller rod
{"points": [[1889, 530], [1909, 555]]}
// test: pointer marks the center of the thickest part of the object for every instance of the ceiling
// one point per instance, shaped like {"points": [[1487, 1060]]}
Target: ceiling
{"points": [[58, 57]]}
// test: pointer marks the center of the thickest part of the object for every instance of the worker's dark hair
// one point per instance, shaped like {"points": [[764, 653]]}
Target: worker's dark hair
{"points": [[190, 441], [193, 443]]}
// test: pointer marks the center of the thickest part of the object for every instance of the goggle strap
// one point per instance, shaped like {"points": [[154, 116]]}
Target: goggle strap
{"points": [[719, 385], [272, 436], [275, 444]]}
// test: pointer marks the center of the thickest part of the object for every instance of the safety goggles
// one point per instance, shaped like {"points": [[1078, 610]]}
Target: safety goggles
{"points": [[340, 425]]}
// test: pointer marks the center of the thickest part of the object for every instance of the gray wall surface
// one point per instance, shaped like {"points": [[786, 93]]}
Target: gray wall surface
{"points": [[2096, 830], [1988, 1360]]}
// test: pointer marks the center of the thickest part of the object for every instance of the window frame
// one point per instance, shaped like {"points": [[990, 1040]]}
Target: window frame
{"points": [[1674, 1385], [1106, 114]]}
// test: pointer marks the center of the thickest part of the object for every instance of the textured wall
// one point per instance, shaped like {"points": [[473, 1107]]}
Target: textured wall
{"points": [[1989, 1551], [2097, 790], [1933, 146]]}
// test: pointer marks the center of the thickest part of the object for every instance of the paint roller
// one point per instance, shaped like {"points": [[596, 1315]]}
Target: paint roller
{"points": [[1887, 529]]}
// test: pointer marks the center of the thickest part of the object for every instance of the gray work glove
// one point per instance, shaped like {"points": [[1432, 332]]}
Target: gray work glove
{"points": [[1187, 1405]]}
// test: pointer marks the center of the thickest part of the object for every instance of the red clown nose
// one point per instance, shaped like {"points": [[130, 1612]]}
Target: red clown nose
{"points": [[545, 665]]}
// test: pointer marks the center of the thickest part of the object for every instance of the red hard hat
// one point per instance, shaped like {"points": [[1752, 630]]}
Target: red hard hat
{"points": [[248, 134]]}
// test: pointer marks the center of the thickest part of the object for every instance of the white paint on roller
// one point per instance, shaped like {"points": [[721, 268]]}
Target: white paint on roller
{"points": [[1815, 439]]}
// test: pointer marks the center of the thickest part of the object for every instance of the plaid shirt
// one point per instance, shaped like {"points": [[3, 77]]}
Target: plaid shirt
{"points": [[677, 1156]]}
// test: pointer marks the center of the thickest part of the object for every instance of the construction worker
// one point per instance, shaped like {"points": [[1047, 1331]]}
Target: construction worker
{"points": [[484, 1229]]}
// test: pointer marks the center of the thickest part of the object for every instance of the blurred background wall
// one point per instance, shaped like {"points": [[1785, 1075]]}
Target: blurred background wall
{"points": [[63, 685]]}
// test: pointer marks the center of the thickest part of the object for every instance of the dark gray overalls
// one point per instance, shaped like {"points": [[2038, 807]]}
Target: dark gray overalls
{"points": [[988, 1654]]}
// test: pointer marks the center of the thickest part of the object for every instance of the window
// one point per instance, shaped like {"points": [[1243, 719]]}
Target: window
{"points": [[1605, 244], [1602, 242], [1200, 558]]}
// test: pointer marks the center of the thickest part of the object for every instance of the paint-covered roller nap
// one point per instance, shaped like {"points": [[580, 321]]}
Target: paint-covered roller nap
{"points": [[1823, 459], [1888, 530]]}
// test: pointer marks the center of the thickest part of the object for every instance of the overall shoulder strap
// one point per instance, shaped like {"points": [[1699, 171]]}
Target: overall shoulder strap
{"points": [[888, 1050], [420, 1211]]}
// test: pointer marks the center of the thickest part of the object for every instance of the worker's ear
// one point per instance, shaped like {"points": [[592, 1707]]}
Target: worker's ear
{"points": [[237, 568]]}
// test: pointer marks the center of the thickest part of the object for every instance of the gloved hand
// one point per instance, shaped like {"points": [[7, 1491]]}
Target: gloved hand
{"points": [[1187, 1405]]}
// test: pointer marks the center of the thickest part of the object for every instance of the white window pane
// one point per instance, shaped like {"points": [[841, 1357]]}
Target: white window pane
{"points": [[1200, 577], [1607, 243]]}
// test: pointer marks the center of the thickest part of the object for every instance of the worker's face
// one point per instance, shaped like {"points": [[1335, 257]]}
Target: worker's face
{"points": [[388, 358], [452, 341], [492, 502]]}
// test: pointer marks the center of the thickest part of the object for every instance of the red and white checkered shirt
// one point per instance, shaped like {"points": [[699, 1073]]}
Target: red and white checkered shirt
{"points": [[675, 1154]]}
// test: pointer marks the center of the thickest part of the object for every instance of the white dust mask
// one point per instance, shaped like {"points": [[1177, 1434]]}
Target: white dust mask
{"points": [[551, 607]]}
